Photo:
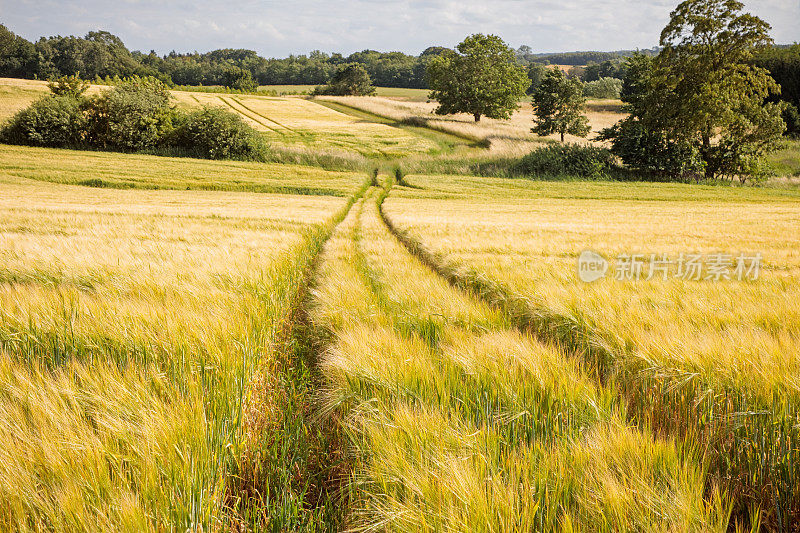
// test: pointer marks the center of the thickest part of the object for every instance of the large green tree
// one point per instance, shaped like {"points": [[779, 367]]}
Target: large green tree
{"points": [[559, 106], [481, 77], [706, 92], [349, 80]]}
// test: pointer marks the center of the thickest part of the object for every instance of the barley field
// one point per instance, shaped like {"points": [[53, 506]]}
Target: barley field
{"points": [[137, 330], [200, 345], [713, 362], [459, 422]]}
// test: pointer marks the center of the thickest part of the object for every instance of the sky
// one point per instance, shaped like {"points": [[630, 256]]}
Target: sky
{"points": [[279, 28]]}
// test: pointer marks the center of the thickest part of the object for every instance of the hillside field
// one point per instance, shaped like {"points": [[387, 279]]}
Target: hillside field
{"points": [[199, 345]]}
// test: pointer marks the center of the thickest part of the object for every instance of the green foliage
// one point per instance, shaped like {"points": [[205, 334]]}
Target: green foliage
{"points": [[652, 152], [567, 160], [783, 65], [239, 79], [559, 105], [18, 57], [606, 69], [536, 74], [134, 115], [638, 69], [706, 92], [698, 110], [349, 80], [50, 121], [68, 86], [481, 78], [791, 116], [216, 133], [603, 88]]}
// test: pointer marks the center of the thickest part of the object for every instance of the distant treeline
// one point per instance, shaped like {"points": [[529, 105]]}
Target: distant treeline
{"points": [[102, 55], [577, 58]]}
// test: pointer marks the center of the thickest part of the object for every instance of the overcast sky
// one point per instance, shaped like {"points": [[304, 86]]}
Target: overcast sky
{"points": [[276, 28]]}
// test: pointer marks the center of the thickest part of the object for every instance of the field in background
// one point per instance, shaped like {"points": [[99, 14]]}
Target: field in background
{"points": [[714, 363], [417, 95], [397, 124], [293, 123], [511, 137]]}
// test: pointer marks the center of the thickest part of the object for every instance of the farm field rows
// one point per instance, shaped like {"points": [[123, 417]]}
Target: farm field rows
{"points": [[459, 422], [140, 347], [136, 171], [714, 363], [419, 95], [511, 137], [285, 121]]}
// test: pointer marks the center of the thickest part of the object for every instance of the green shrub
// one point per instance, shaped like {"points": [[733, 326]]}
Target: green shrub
{"points": [[349, 80], [567, 160], [68, 86], [134, 115], [50, 121], [791, 116], [603, 88], [652, 152], [216, 133]]}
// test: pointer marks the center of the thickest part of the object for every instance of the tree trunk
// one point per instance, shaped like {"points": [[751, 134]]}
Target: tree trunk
{"points": [[477, 117], [709, 172]]}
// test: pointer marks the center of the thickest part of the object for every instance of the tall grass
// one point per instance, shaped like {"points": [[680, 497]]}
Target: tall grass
{"points": [[682, 368], [457, 422], [143, 397]]}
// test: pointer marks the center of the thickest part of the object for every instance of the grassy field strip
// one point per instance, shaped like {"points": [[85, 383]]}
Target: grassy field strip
{"points": [[460, 423], [143, 357], [511, 137], [239, 101], [709, 382], [390, 92], [134, 171], [257, 122]]}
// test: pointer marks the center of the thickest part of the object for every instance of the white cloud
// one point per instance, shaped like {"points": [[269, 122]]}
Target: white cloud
{"points": [[278, 28]]}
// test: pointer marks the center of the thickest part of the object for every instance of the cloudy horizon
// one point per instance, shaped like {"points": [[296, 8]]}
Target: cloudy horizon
{"points": [[278, 29]]}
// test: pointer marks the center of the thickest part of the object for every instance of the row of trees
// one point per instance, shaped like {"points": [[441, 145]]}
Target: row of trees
{"points": [[101, 54], [702, 108]]}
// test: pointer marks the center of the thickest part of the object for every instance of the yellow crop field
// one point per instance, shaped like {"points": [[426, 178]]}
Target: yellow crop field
{"points": [[459, 422], [132, 327], [296, 121], [509, 137], [135, 171], [225, 309], [708, 357]]}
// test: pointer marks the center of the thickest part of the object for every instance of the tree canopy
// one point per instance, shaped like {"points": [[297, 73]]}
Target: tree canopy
{"points": [[559, 106], [349, 80], [703, 100], [481, 77]]}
